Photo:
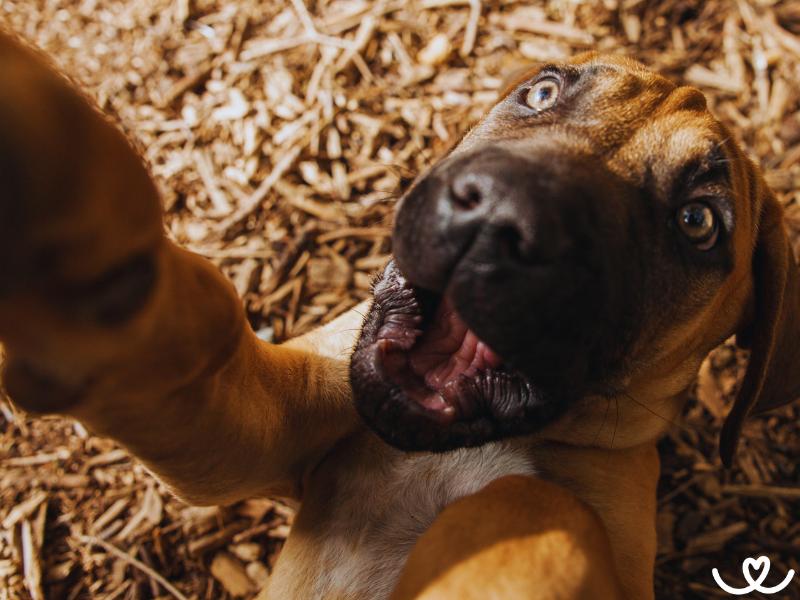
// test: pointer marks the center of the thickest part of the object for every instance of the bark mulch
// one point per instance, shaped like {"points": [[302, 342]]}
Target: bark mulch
{"points": [[281, 134]]}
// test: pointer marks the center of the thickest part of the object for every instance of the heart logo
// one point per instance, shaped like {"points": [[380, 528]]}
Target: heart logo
{"points": [[761, 567], [759, 564]]}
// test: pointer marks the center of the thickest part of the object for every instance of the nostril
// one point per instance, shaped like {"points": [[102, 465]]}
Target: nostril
{"points": [[509, 243], [466, 193]]}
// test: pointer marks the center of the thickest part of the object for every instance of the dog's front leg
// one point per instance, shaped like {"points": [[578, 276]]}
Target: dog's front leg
{"points": [[105, 320], [518, 538]]}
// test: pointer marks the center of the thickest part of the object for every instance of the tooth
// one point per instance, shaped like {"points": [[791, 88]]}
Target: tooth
{"points": [[459, 392], [444, 411], [437, 402]]}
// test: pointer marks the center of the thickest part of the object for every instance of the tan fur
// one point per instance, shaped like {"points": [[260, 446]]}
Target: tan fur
{"points": [[519, 537], [221, 415], [366, 506]]}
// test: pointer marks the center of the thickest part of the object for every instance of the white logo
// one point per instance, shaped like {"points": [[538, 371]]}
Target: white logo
{"points": [[759, 564]]}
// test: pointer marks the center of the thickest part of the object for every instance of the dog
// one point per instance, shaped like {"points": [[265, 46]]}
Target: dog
{"points": [[558, 278]]}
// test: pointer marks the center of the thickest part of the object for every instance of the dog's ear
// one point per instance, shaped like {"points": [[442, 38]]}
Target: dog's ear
{"points": [[772, 333]]}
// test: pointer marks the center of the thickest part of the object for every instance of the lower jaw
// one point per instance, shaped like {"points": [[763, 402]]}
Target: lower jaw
{"points": [[405, 424]]}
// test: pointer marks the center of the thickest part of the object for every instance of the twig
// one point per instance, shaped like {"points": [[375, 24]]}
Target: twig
{"points": [[38, 459], [471, 32], [242, 253], [24, 509], [205, 169], [311, 35], [305, 17], [255, 199], [31, 562], [289, 257], [762, 491], [137, 564], [354, 232]]}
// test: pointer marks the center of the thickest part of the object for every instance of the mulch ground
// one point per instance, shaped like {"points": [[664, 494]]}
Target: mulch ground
{"points": [[281, 135]]}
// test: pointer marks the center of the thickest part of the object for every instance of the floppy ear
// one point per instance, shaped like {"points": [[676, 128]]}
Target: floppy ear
{"points": [[772, 378]]}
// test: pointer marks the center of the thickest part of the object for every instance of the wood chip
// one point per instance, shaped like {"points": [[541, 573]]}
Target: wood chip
{"points": [[31, 561], [232, 575], [24, 509], [215, 540], [281, 135]]}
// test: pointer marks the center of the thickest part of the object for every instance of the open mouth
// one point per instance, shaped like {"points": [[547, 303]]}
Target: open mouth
{"points": [[425, 381]]}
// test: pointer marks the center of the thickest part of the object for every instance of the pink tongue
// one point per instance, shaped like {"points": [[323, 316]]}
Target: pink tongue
{"points": [[449, 349]]}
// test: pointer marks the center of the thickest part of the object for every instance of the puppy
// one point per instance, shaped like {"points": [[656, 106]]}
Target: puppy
{"points": [[559, 277]]}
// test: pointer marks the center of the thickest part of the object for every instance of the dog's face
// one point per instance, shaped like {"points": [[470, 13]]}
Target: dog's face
{"points": [[595, 230]]}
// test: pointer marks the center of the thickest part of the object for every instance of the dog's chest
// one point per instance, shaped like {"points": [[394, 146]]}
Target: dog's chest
{"points": [[382, 500]]}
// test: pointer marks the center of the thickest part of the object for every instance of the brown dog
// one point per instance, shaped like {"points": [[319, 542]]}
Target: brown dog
{"points": [[585, 245]]}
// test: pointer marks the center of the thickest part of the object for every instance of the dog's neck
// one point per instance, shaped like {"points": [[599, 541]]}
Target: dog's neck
{"points": [[639, 413]]}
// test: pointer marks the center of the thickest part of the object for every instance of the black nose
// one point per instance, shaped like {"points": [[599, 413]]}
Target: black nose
{"points": [[490, 196], [501, 208], [533, 243]]}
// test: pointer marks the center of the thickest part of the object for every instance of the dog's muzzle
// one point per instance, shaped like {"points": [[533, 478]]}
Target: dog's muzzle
{"points": [[505, 303]]}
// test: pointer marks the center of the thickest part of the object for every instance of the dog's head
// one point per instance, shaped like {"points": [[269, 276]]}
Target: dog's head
{"points": [[592, 238]]}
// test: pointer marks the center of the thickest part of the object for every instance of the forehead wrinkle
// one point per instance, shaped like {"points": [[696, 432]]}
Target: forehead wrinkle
{"points": [[685, 98], [617, 87], [618, 96], [617, 122], [627, 83], [613, 61], [660, 147], [689, 142]]}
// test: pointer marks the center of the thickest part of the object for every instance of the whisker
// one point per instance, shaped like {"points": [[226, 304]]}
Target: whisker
{"points": [[396, 168], [616, 421], [386, 219], [389, 197], [603, 424], [722, 142], [653, 412]]}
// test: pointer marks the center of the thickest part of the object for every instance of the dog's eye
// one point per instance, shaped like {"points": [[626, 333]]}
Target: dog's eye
{"points": [[698, 223], [543, 94]]}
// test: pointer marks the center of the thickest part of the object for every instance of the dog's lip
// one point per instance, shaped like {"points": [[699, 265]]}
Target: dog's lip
{"points": [[433, 358]]}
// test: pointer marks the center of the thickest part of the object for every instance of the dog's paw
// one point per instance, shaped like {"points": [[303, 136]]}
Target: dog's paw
{"points": [[80, 236], [80, 217]]}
